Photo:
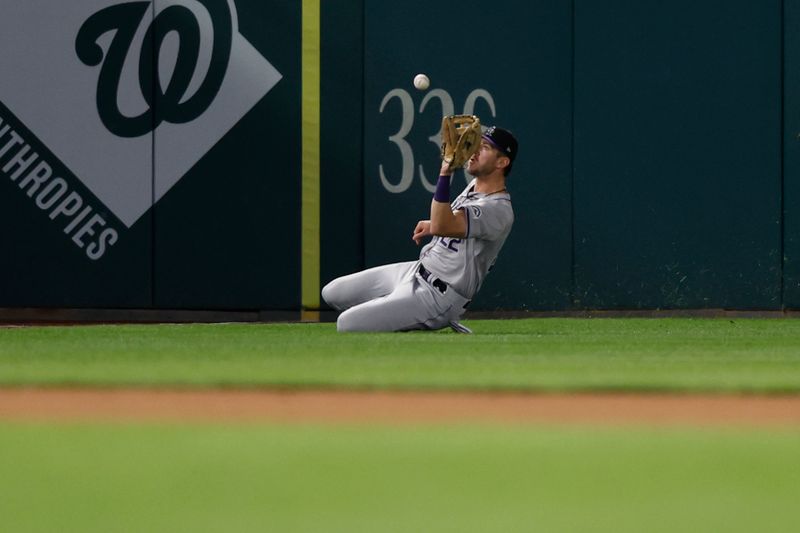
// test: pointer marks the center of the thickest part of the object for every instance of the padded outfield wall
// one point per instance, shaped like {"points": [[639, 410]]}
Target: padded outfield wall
{"points": [[238, 154]]}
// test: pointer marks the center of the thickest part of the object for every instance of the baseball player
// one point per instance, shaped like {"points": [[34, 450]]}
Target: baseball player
{"points": [[434, 291]]}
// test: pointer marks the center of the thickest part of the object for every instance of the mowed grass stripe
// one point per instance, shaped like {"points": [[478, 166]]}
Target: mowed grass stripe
{"points": [[700, 355]]}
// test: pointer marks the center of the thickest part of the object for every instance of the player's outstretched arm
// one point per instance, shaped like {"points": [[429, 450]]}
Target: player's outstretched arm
{"points": [[444, 221], [447, 223]]}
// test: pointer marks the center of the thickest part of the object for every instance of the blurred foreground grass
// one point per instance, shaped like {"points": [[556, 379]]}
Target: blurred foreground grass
{"points": [[99, 478]]}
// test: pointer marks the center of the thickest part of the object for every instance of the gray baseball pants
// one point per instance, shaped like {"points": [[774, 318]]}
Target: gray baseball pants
{"points": [[392, 297]]}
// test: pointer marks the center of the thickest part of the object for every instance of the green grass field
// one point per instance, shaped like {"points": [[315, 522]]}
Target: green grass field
{"points": [[89, 478], [105, 477], [701, 355]]}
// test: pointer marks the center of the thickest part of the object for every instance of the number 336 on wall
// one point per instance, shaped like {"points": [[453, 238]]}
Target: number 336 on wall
{"points": [[399, 138]]}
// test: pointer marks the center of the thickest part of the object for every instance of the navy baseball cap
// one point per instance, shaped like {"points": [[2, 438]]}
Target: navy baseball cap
{"points": [[503, 140]]}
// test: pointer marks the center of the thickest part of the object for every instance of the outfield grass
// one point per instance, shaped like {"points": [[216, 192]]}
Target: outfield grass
{"points": [[95, 478], [92, 478], [714, 355]]}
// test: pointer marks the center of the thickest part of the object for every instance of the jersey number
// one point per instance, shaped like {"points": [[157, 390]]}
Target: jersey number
{"points": [[450, 244]]}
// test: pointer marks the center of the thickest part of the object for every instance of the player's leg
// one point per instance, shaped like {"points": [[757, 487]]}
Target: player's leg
{"points": [[412, 305], [348, 291]]}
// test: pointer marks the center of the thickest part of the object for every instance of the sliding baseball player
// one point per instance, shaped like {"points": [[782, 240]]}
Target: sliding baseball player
{"points": [[466, 236]]}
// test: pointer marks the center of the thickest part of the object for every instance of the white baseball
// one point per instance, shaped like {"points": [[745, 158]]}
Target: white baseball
{"points": [[422, 82]]}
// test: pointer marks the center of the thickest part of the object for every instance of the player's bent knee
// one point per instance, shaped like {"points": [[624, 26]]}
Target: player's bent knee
{"points": [[353, 320], [345, 323], [331, 295]]}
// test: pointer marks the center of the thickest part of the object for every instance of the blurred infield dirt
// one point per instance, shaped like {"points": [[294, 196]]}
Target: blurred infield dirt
{"points": [[394, 407]]}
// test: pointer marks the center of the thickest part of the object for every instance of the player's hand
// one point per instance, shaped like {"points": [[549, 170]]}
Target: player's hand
{"points": [[422, 230], [445, 170]]}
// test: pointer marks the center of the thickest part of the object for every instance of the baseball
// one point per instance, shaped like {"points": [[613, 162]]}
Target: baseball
{"points": [[421, 82]]}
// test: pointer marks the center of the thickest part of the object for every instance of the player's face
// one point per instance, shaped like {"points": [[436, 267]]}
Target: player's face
{"points": [[484, 161]]}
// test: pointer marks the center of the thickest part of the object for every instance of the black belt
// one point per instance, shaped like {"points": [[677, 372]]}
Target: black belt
{"points": [[426, 275]]}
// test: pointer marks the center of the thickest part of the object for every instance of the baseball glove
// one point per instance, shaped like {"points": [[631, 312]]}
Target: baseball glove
{"points": [[461, 138]]}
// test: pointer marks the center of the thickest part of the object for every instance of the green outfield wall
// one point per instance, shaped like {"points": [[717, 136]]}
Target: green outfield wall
{"points": [[238, 154], [677, 154]]}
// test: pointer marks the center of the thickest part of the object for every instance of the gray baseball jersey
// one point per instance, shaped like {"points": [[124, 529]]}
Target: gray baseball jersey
{"points": [[463, 263]]}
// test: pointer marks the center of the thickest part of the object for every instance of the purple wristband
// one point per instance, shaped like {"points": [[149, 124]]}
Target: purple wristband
{"points": [[442, 193]]}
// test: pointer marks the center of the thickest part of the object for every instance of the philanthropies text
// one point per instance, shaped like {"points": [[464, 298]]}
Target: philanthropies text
{"points": [[53, 195]]}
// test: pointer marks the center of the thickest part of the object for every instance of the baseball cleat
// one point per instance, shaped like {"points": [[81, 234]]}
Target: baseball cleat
{"points": [[458, 327]]}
